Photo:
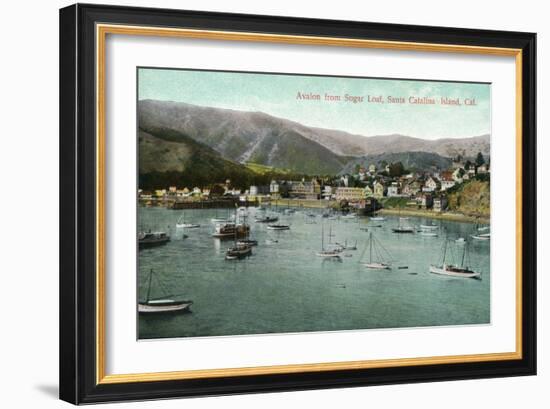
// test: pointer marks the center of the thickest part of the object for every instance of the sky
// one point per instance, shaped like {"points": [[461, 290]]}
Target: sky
{"points": [[278, 95]]}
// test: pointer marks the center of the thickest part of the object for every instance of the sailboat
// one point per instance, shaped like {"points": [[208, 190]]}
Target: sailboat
{"points": [[376, 218], [152, 239], [376, 261], [181, 223], [160, 305], [266, 219], [482, 237], [239, 250], [324, 252], [428, 227], [454, 270], [403, 227], [246, 240]]}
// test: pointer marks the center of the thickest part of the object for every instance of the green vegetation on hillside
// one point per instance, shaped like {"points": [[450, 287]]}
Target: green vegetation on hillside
{"points": [[170, 158], [472, 198]]}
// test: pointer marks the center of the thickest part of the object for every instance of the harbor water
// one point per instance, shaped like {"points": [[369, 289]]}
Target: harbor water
{"points": [[284, 287]]}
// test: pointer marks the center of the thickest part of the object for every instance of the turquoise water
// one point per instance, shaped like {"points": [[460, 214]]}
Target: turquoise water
{"points": [[284, 287]]}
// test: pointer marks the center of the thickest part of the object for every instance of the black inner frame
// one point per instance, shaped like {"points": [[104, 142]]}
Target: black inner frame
{"points": [[78, 212]]}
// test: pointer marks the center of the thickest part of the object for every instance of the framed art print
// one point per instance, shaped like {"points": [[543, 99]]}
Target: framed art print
{"points": [[254, 203]]}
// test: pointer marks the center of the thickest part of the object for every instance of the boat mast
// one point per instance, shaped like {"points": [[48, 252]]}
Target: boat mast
{"points": [[322, 237], [463, 255], [149, 287], [370, 254], [444, 251]]}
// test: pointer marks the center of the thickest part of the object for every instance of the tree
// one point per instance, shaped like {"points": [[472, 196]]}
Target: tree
{"points": [[467, 165], [479, 159], [397, 169], [217, 190]]}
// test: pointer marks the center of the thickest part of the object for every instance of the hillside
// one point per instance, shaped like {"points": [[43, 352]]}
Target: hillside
{"points": [[267, 140], [243, 136], [472, 198], [411, 161], [170, 158]]}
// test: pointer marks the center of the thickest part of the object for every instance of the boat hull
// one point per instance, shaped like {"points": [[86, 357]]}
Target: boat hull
{"points": [[167, 308], [277, 227], [447, 272], [377, 266], [403, 231], [330, 254], [153, 243]]}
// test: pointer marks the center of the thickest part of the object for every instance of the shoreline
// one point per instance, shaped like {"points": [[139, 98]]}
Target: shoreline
{"points": [[455, 217]]}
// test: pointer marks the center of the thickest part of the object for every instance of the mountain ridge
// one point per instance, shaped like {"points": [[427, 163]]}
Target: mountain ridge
{"points": [[254, 136]]}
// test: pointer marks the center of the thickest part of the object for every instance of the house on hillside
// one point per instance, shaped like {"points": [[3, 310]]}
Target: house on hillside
{"points": [[412, 188], [393, 190], [439, 204], [431, 184], [378, 189], [447, 180]]}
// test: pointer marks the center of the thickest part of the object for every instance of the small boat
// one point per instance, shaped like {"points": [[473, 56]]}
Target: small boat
{"points": [[152, 239], [376, 259], [241, 248], [238, 251], [349, 216], [182, 225], [482, 237], [220, 220], [403, 227], [327, 253], [428, 233], [483, 228], [278, 227], [161, 305], [428, 227], [377, 219], [460, 240], [365, 228], [266, 219], [247, 242], [229, 230], [454, 270], [271, 241]]}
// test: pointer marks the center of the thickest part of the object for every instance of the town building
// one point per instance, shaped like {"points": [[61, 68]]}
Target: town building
{"points": [[351, 194], [431, 185], [393, 190], [483, 169], [328, 192], [412, 188], [378, 189], [447, 180], [439, 203], [304, 190]]}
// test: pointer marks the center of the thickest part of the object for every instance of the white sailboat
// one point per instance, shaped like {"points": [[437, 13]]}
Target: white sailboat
{"points": [[454, 270], [325, 252], [376, 259], [182, 225], [161, 305], [403, 226]]}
